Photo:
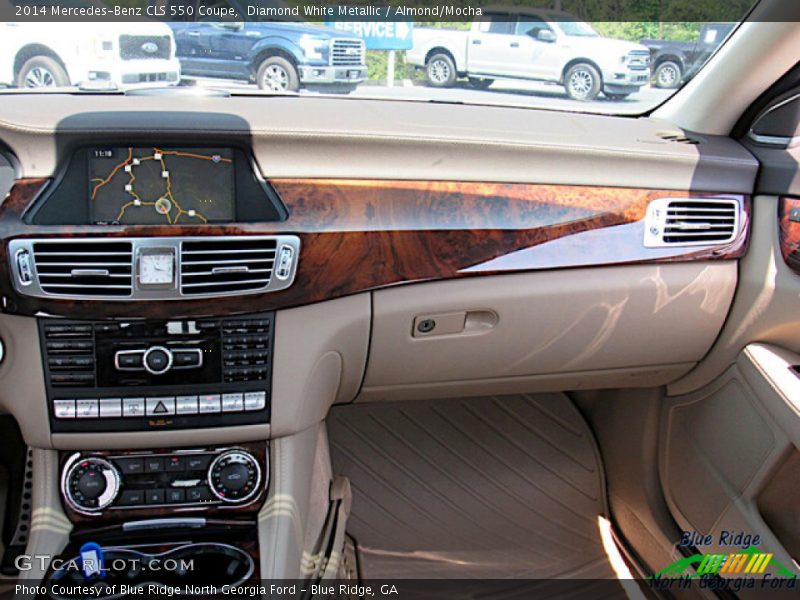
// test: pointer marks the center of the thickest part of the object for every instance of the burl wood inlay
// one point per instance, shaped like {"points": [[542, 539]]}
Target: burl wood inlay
{"points": [[359, 235], [790, 233]]}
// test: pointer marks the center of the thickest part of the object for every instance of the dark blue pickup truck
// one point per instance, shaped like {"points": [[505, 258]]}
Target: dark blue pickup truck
{"points": [[279, 56]]}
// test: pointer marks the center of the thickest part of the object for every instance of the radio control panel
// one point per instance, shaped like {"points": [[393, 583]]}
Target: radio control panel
{"points": [[95, 483], [143, 375]]}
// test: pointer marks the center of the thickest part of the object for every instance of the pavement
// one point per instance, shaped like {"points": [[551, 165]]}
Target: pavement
{"points": [[502, 92]]}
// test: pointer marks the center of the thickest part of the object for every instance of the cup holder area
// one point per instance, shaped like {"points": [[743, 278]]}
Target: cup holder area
{"points": [[184, 567]]}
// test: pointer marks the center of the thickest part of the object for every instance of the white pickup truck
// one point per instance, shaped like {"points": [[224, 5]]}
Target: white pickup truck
{"points": [[543, 45], [122, 55]]}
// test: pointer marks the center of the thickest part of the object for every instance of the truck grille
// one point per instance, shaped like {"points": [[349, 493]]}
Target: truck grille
{"points": [[638, 60], [347, 53], [137, 47]]}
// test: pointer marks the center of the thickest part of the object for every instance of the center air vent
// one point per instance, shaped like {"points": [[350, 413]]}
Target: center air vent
{"points": [[84, 268], [227, 266], [691, 222], [106, 268]]}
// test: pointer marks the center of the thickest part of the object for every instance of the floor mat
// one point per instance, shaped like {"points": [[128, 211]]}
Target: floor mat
{"points": [[501, 487]]}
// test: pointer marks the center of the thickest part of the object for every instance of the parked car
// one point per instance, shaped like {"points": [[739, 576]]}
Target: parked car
{"points": [[123, 55], [532, 44], [278, 56], [675, 62]]}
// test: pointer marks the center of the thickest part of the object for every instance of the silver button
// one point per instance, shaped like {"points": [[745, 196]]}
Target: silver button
{"points": [[158, 407], [255, 400], [86, 409], [186, 405], [133, 407], [209, 403], [64, 409], [110, 407], [232, 402]]}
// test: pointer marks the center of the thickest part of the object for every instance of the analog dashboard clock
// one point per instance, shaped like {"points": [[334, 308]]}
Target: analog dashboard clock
{"points": [[156, 267]]}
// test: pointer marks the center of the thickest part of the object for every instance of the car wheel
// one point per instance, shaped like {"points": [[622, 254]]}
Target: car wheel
{"points": [[41, 72], [441, 70], [480, 83], [276, 74], [668, 75], [583, 82]]}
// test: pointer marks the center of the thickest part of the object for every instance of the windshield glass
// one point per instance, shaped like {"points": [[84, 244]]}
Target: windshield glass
{"points": [[577, 29], [576, 58]]}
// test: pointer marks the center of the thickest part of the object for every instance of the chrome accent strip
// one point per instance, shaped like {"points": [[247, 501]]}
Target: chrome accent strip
{"points": [[190, 522], [90, 273]]}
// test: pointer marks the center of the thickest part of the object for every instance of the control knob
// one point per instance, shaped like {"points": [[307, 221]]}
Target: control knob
{"points": [[234, 476], [90, 484], [157, 360]]}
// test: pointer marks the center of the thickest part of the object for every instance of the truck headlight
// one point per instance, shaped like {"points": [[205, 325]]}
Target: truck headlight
{"points": [[312, 47]]}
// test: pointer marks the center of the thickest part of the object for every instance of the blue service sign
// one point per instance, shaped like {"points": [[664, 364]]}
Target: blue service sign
{"points": [[378, 35]]}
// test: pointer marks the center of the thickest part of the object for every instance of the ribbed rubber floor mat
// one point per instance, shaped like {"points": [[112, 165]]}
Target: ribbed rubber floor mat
{"points": [[482, 487]]}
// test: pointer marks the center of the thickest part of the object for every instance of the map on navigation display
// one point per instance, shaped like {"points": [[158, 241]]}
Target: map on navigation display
{"points": [[156, 186]]}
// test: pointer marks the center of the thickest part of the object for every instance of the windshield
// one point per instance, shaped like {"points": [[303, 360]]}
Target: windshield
{"points": [[514, 56], [577, 29]]}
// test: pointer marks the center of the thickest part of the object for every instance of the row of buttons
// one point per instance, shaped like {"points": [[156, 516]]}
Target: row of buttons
{"points": [[165, 496], [159, 406], [163, 464]]}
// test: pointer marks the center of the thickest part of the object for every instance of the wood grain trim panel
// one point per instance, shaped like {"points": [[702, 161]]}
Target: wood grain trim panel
{"points": [[360, 235], [790, 233]]}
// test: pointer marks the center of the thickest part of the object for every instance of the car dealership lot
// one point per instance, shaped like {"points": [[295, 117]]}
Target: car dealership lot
{"points": [[502, 92]]}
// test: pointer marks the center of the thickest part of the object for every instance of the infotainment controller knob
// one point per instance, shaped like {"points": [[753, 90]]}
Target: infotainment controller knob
{"points": [[234, 476], [157, 360], [90, 484]]}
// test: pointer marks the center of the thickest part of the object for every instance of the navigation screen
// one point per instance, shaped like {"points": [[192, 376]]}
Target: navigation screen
{"points": [[157, 186]]}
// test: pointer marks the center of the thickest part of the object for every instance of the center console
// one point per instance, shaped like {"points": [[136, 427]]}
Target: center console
{"points": [[155, 375]]}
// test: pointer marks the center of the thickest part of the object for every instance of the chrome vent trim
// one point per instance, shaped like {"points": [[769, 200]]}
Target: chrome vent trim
{"points": [[692, 222], [105, 268]]}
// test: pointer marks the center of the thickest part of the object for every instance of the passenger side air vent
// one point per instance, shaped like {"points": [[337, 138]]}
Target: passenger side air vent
{"points": [[69, 352], [84, 268], [226, 266], [691, 222]]}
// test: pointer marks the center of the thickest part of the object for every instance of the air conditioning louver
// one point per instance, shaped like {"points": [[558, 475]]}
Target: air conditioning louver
{"points": [[106, 268], [222, 266], [687, 222], [84, 268]]}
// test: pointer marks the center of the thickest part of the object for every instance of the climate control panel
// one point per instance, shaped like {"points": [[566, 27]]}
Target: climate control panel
{"points": [[95, 483]]}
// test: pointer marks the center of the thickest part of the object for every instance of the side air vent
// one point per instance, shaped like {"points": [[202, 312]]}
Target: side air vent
{"points": [[84, 268], [691, 222], [226, 266]]}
